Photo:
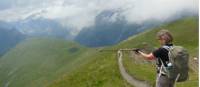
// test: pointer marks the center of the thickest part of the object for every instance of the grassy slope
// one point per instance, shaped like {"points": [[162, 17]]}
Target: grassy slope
{"points": [[36, 62], [102, 71], [185, 33]]}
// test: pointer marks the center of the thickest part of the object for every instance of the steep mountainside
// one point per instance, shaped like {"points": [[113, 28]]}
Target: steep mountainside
{"points": [[103, 71]]}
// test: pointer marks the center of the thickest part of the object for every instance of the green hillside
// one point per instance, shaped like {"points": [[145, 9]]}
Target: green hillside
{"points": [[37, 62], [58, 63], [185, 33], [103, 71]]}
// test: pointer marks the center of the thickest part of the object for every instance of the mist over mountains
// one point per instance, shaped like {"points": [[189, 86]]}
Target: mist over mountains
{"points": [[42, 27], [91, 23], [111, 27], [108, 30], [11, 33], [9, 37]]}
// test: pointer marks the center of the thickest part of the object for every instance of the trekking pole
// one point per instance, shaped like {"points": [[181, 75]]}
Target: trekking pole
{"points": [[114, 50]]}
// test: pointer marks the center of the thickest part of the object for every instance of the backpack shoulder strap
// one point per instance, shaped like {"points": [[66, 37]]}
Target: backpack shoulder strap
{"points": [[163, 67], [167, 47], [169, 52]]}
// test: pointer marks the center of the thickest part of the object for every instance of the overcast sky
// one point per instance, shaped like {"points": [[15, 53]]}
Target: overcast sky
{"points": [[81, 13]]}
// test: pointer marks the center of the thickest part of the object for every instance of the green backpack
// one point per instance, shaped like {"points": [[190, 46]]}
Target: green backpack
{"points": [[177, 68]]}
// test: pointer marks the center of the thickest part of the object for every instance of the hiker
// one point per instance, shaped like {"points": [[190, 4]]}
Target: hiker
{"points": [[161, 55]]}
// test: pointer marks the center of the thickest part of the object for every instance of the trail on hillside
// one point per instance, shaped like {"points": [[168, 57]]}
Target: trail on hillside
{"points": [[131, 80]]}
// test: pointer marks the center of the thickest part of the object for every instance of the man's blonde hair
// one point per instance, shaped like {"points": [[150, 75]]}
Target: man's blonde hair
{"points": [[165, 35]]}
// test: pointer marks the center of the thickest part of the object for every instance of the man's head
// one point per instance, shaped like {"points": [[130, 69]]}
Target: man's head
{"points": [[164, 36]]}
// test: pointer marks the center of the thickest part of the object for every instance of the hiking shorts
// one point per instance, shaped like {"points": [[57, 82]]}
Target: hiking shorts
{"points": [[164, 81]]}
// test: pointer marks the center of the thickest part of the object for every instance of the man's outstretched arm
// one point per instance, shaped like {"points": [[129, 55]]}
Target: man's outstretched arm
{"points": [[147, 56]]}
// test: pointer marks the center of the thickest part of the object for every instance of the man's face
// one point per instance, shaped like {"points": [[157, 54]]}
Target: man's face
{"points": [[161, 41]]}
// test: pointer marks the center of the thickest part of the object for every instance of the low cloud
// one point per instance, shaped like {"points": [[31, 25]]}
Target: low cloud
{"points": [[78, 14]]}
